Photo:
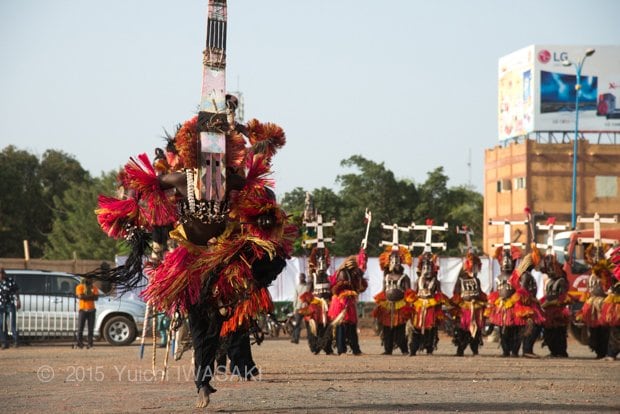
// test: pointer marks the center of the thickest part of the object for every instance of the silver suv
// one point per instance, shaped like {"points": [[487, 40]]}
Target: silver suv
{"points": [[49, 308]]}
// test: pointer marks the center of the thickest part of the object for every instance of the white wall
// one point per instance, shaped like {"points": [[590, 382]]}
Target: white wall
{"points": [[283, 288]]}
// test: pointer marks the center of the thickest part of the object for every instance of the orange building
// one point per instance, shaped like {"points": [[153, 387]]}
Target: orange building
{"points": [[538, 175]]}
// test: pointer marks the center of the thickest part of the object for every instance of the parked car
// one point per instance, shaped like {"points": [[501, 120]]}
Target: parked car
{"points": [[49, 309]]}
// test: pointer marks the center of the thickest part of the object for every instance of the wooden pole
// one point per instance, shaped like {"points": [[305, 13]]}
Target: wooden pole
{"points": [[168, 342], [154, 327], [144, 329], [26, 254]]}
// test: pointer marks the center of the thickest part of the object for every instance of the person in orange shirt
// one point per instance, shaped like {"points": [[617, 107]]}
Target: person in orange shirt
{"points": [[87, 294]]}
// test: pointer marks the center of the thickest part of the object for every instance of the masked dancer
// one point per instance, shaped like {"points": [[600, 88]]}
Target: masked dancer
{"points": [[232, 237], [349, 282], [429, 300], [610, 312], [392, 310], [599, 283], [470, 302]]}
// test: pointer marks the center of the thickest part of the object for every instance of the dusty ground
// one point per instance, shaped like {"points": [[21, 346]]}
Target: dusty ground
{"points": [[55, 378]]}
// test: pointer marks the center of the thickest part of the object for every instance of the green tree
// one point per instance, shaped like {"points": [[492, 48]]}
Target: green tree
{"points": [[457, 206], [27, 190], [433, 204], [57, 171], [22, 213], [371, 187], [293, 203], [75, 227], [466, 209], [433, 201], [326, 202]]}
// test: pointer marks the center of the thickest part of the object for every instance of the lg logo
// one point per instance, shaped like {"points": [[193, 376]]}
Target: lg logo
{"points": [[544, 56]]}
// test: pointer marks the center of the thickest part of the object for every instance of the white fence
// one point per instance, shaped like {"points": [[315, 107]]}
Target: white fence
{"points": [[46, 316]]}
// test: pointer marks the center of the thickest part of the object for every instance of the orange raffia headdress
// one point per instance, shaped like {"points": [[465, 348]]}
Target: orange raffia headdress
{"points": [[265, 139], [535, 254], [590, 255], [471, 260], [186, 143], [515, 253], [530, 259], [601, 266], [313, 260], [403, 253]]}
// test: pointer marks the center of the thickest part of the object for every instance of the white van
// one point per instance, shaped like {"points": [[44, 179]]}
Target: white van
{"points": [[49, 309]]}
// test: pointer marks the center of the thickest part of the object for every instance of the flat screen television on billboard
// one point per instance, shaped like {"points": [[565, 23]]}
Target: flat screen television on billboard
{"points": [[557, 92]]}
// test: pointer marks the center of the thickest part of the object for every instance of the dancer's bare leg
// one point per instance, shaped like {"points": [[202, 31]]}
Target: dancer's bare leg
{"points": [[203, 397]]}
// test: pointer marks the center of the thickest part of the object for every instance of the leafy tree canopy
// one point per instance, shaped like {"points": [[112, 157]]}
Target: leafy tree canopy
{"points": [[57, 172], [27, 190], [75, 230], [391, 201], [22, 213]]}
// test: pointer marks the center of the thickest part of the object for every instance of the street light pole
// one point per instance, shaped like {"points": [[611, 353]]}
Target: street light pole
{"points": [[578, 66]]}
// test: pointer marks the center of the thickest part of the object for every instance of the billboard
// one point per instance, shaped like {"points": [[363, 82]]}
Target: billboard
{"points": [[536, 92]]}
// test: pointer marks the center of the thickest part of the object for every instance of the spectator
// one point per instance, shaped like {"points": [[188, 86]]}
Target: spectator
{"points": [[87, 294], [9, 303]]}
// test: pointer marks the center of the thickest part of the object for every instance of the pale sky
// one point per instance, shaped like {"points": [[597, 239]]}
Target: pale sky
{"points": [[409, 83]]}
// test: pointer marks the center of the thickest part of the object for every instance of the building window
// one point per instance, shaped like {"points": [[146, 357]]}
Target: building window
{"points": [[504, 185], [519, 183], [606, 186]]}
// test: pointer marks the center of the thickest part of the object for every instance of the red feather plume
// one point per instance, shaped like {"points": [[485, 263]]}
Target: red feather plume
{"points": [[113, 215], [141, 177]]}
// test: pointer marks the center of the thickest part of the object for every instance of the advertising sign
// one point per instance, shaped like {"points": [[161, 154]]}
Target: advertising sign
{"points": [[536, 91]]}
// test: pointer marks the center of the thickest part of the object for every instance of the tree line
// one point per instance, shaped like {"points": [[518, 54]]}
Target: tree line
{"points": [[390, 200], [50, 202]]}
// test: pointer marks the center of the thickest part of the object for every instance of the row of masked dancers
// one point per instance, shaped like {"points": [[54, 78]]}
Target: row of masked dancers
{"points": [[410, 314]]}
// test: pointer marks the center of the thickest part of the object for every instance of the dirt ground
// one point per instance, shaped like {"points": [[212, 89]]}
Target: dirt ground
{"points": [[55, 378]]}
